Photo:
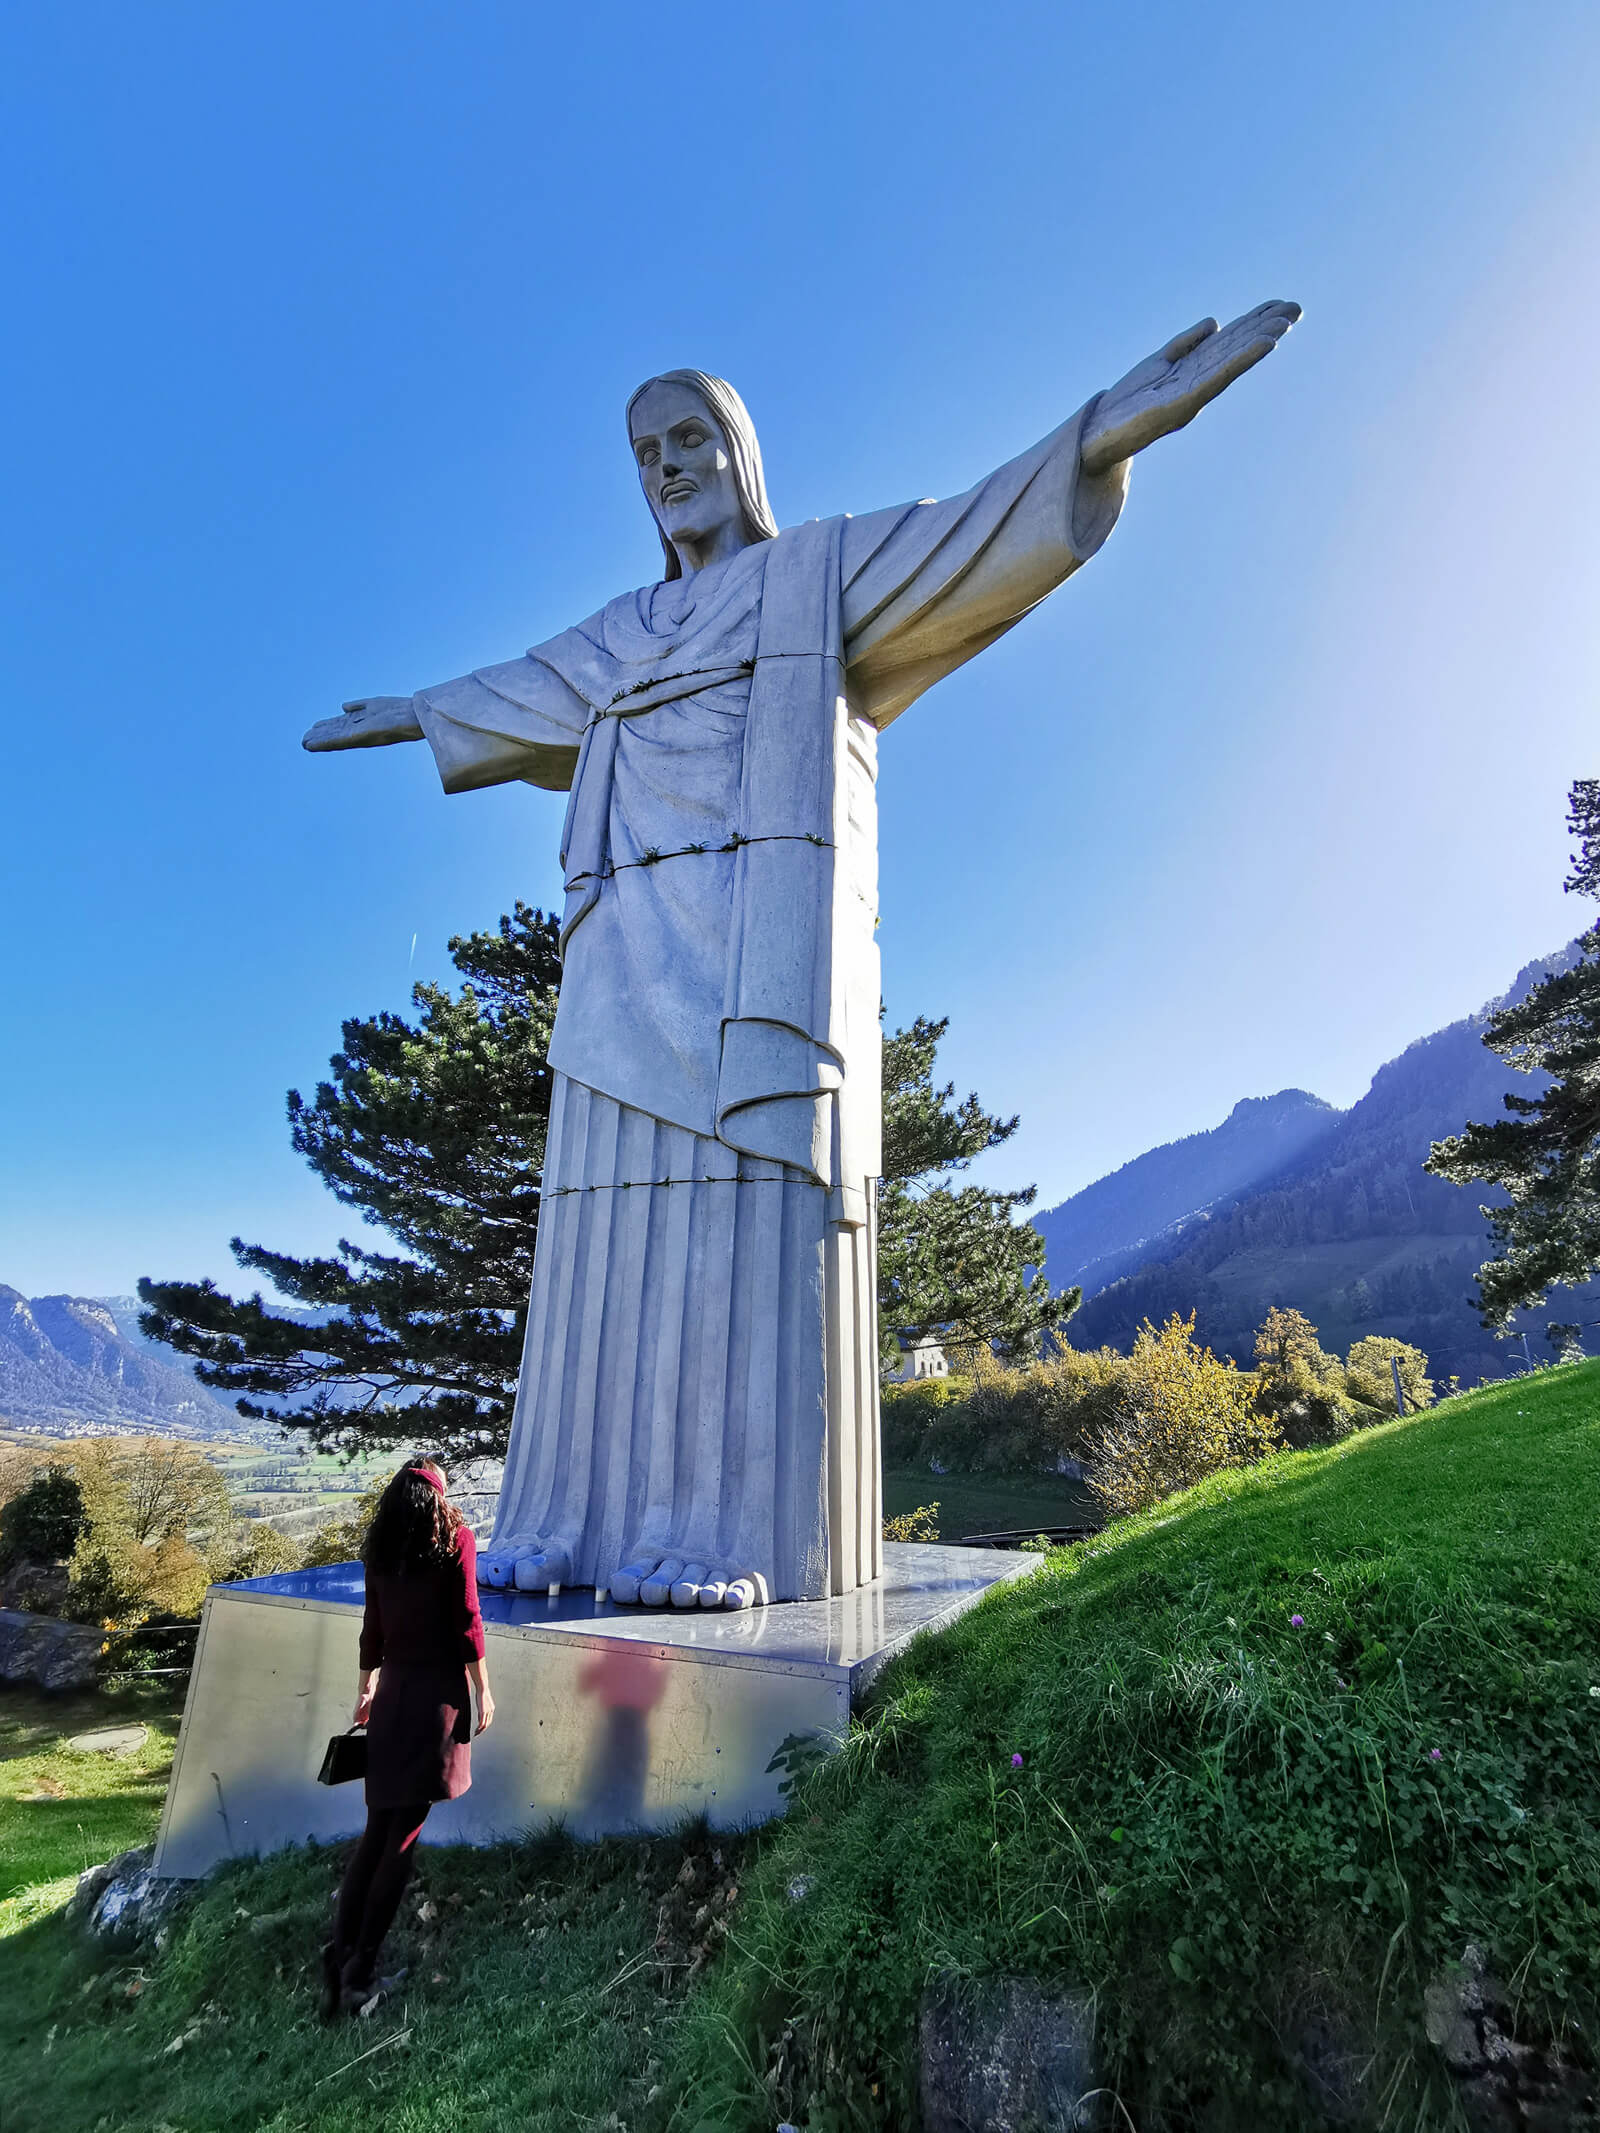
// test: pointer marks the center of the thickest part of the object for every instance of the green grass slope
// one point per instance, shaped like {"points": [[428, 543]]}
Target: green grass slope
{"points": [[1257, 1841]]}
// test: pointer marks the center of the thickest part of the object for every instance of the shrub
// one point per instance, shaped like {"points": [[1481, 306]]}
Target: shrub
{"points": [[121, 1581], [909, 1411], [42, 1522], [253, 1549], [922, 1524], [1005, 1419], [1180, 1415], [158, 1528]]}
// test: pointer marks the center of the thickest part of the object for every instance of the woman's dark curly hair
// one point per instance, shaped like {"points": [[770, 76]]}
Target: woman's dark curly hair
{"points": [[413, 1530]]}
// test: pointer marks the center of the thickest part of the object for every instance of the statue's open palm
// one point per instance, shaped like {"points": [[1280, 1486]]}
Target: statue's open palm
{"points": [[368, 722], [1169, 388]]}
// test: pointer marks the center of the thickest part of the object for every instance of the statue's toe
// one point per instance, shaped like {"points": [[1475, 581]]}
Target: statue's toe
{"points": [[625, 1582], [496, 1569], [686, 1589], [713, 1592], [656, 1589], [748, 1591]]}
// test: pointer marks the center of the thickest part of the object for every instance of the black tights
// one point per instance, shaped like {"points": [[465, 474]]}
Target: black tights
{"points": [[374, 1882]]}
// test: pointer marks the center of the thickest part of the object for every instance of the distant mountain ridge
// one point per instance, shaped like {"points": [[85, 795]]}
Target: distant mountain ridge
{"points": [[1351, 1229], [68, 1365], [1105, 1230]]}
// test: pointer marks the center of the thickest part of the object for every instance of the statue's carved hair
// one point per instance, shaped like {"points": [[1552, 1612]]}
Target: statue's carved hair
{"points": [[732, 417]]}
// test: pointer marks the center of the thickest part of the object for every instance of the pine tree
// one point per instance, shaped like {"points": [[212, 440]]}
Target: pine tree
{"points": [[434, 1130], [952, 1262], [1546, 1156]]}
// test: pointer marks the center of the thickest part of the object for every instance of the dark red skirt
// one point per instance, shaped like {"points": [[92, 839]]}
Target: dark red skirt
{"points": [[419, 1736]]}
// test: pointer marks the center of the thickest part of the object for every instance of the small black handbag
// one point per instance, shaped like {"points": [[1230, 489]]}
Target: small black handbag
{"points": [[346, 1759]]}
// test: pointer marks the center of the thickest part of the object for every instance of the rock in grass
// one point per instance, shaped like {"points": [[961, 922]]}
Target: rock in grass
{"points": [[1504, 2083], [46, 1653], [1004, 2054], [125, 1898]]}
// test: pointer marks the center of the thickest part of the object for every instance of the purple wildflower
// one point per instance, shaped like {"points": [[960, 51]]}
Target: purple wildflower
{"points": [[1297, 1621], [1435, 1755], [1016, 1762]]}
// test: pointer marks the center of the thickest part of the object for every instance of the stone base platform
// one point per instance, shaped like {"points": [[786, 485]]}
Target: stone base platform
{"points": [[607, 1718]]}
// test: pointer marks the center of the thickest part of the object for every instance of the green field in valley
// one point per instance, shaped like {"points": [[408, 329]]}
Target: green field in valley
{"points": [[989, 1503]]}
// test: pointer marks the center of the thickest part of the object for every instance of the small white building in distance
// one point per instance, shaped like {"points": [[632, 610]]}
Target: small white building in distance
{"points": [[919, 1359]]}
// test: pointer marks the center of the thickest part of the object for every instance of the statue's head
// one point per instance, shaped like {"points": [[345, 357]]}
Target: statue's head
{"points": [[699, 464]]}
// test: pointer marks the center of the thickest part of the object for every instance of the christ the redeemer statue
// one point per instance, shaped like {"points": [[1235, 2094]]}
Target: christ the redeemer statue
{"points": [[697, 1414]]}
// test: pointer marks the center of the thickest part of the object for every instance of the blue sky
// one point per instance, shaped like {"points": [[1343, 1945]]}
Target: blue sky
{"points": [[321, 325]]}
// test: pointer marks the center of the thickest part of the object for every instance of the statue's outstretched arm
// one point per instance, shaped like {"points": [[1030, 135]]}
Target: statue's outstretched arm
{"points": [[366, 722], [1169, 388]]}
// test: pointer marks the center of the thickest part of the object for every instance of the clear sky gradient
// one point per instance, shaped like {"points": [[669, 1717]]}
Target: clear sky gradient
{"points": [[320, 325]]}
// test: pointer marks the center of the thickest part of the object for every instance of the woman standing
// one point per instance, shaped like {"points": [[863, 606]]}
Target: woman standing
{"points": [[421, 1644]]}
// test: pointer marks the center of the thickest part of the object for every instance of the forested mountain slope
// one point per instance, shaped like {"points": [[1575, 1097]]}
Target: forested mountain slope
{"points": [[1352, 1231], [1112, 1225]]}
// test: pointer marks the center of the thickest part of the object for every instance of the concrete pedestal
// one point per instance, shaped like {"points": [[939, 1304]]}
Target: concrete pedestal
{"points": [[608, 1719]]}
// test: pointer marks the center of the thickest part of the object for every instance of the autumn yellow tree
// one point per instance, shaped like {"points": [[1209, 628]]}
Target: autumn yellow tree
{"points": [[1298, 1383], [159, 1526], [1182, 1414]]}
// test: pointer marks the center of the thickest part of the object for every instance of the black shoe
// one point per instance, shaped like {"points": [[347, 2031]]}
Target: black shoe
{"points": [[365, 1999], [332, 1982]]}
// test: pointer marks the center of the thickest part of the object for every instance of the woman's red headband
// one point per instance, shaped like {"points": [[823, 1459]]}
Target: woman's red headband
{"points": [[426, 1473]]}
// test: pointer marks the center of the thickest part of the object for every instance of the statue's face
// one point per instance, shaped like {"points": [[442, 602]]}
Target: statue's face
{"points": [[685, 468]]}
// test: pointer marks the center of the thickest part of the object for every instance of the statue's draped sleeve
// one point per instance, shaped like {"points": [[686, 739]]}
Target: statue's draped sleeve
{"points": [[926, 586], [523, 720]]}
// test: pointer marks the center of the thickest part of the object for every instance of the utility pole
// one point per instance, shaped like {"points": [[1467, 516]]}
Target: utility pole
{"points": [[1399, 1393]]}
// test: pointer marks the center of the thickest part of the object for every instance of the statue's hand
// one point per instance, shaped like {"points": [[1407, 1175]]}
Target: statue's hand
{"points": [[368, 722], [1169, 388]]}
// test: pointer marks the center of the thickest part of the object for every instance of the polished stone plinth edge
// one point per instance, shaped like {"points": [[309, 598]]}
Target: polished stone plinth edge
{"points": [[609, 1719]]}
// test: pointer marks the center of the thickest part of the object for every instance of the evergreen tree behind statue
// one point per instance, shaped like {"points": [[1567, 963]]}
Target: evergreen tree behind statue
{"points": [[952, 1261], [1546, 1155], [435, 1132]]}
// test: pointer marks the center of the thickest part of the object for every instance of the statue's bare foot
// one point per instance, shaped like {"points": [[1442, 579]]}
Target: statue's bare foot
{"points": [[653, 1579], [526, 1565]]}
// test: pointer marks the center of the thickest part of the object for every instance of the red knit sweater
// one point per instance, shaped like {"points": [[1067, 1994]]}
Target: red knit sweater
{"points": [[432, 1620]]}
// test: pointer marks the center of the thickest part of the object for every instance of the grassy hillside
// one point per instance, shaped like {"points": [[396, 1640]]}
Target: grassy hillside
{"points": [[542, 1983], [1257, 1840]]}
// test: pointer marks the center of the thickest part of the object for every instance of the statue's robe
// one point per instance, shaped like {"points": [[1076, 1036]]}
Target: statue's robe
{"points": [[700, 1371]]}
